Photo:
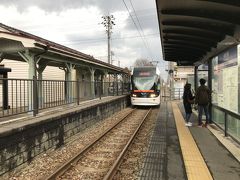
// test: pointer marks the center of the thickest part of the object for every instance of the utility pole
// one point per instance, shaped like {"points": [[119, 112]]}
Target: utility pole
{"points": [[108, 22], [112, 54]]}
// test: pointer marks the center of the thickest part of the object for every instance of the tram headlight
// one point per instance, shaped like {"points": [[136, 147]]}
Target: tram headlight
{"points": [[153, 95], [134, 95]]}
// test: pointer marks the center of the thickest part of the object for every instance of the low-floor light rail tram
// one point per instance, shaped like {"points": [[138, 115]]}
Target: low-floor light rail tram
{"points": [[146, 84]]}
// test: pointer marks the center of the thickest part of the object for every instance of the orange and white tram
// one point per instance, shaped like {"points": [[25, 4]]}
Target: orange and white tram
{"points": [[146, 84]]}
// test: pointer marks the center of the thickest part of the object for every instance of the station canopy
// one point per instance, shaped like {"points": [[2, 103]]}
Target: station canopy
{"points": [[193, 31], [14, 41]]}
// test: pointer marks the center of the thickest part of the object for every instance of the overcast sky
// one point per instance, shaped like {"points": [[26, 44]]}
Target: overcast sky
{"points": [[77, 24]]}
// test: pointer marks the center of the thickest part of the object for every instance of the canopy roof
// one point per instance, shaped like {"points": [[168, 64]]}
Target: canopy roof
{"points": [[13, 41], [195, 30]]}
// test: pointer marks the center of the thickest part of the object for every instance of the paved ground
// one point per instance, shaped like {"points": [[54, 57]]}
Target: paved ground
{"points": [[222, 164], [164, 159]]}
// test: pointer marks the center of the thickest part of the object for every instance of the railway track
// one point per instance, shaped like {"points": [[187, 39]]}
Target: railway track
{"points": [[102, 157]]}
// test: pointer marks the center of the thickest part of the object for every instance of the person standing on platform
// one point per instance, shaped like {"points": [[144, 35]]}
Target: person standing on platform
{"points": [[188, 100], [202, 99]]}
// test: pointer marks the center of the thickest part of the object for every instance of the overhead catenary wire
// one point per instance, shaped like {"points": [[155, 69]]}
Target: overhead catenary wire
{"points": [[141, 29], [92, 40], [147, 47]]}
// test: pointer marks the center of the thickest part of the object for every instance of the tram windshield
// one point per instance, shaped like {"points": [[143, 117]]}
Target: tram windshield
{"points": [[144, 78], [145, 83]]}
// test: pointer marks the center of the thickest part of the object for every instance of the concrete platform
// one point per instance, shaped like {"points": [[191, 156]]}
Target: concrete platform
{"points": [[174, 152], [179, 152], [164, 156], [218, 157], [23, 137]]}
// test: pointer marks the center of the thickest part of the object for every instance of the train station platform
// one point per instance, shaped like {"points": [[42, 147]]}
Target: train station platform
{"points": [[174, 150], [24, 136], [179, 152]]}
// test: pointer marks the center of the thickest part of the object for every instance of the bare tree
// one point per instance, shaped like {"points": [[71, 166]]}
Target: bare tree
{"points": [[142, 62]]}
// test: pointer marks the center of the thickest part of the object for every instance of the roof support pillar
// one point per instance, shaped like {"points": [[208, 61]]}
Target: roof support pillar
{"points": [[69, 82], [121, 82], [98, 84], [115, 84], [126, 83], [40, 69], [210, 70], [126, 78], [29, 58], [105, 83], [92, 71], [82, 90], [195, 78]]}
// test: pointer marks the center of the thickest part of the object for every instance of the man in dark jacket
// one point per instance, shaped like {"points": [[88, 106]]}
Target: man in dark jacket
{"points": [[203, 96]]}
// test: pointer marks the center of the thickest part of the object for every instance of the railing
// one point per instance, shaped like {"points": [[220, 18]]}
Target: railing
{"points": [[25, 95], [176, 93], [228, 121]]}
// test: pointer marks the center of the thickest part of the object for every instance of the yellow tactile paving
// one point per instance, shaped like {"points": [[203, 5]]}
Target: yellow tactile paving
{"points": [[195, 165]]}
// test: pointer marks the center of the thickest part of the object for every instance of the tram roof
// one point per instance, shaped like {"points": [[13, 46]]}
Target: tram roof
{"points": [[192, 31], [146, 68]]}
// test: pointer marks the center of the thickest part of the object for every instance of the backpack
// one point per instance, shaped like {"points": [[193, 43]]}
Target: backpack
{"points": [[203, 96]]}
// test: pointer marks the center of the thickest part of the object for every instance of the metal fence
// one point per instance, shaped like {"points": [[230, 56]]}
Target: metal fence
{"points": [[25, 95], [171, 93], [176, 93], [228, 121]]}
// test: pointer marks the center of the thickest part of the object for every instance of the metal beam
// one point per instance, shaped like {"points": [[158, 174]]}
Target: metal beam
{"points": [[217, 17]]}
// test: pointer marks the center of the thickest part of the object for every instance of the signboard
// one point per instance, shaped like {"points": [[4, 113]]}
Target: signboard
{"points": [[228, 58], [225, 79]]}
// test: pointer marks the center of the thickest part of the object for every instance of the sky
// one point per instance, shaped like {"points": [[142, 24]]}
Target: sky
{"points": [[77, 24]]}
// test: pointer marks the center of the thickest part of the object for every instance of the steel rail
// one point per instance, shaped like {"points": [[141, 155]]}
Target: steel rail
{"points": [[117, 163], [66, 166]]}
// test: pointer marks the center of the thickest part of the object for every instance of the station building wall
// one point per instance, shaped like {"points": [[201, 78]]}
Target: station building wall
{"points": [[20, 71]]}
